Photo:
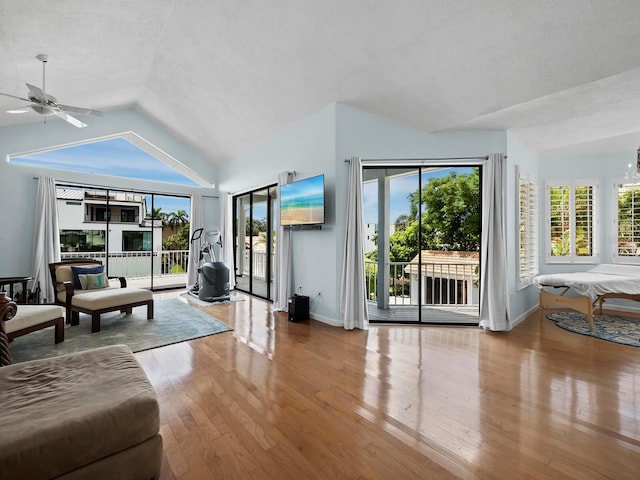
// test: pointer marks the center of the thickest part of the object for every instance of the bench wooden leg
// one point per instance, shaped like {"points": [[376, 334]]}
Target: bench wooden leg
{"points": [[59, 332], [95, 322], [127, 311], [150, 310]]}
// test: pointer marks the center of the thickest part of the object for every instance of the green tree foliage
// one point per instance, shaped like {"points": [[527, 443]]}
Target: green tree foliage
{"points": [[259, 225], [450, 218], [178, 241]]}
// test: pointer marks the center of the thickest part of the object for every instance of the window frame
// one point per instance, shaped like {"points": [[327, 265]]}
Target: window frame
{"points": [[573, 258]]}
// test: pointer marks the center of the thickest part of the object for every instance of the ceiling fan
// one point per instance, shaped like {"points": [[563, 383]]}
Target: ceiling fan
{"points": [[45, 104]]}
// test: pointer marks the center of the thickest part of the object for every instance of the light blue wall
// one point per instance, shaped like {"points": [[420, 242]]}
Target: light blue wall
{"points": [[320, 144], [369, 136], [601, 167], [18, 188], [521, 302], [308, 148]]}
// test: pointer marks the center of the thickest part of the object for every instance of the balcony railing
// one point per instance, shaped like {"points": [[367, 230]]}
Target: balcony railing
{"points": [[113, 218], [138, 264], [441, 283]]}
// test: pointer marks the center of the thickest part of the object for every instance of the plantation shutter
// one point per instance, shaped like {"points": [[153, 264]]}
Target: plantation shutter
{"points": [[628, 219], [527, 229]]}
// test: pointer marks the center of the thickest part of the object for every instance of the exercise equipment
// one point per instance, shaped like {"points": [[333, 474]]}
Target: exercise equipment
{"points": [[213, 275]]}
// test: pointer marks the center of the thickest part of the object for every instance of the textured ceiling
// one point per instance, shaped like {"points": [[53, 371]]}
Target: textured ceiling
{"points": [[563, 75]]}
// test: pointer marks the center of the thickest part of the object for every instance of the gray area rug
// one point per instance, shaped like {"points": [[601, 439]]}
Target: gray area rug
{"points": [[174, 321]]}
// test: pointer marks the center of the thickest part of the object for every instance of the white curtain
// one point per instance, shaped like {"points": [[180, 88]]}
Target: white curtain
{"points": [[493, 265], [196, 221], [46, 238], [353, 306], [282, 259], [226, 214]]}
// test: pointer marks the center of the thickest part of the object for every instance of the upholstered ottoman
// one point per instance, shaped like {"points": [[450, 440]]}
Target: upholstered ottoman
{"points": [[91, 414], [97, 302], [30, 318]]}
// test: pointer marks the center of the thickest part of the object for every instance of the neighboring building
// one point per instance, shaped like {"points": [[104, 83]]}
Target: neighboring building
{"points": [[83, 215], [448, 278]]}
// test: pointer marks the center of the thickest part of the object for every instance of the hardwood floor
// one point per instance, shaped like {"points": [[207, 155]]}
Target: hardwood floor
{"points": [[280, 400]]}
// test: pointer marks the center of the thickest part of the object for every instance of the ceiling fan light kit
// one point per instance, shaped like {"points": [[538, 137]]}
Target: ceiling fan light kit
{"points": [[44, 104]]}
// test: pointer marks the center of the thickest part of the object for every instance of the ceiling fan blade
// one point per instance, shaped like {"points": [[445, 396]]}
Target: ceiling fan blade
{"points": [[68, 118], [37, 93], [79, 110], [13, 96], [24, 109]]}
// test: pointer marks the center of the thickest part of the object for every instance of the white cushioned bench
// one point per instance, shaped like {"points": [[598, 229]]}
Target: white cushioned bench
{"points": [[97, 301], [30, 318]]}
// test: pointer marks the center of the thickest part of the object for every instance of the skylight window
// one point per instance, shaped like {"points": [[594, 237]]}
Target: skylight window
{"points": [[125, 155]]}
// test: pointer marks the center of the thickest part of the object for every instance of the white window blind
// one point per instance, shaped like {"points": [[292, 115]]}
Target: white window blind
{"points": [[628, 222], [527, 229], [571, 221]]}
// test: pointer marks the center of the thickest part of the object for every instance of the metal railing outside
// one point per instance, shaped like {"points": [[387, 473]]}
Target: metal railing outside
{"points": [[136, 264], [442, 283]]}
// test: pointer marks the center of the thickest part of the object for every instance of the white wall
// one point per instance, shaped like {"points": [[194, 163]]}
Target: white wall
{"points": [[18, 187]]}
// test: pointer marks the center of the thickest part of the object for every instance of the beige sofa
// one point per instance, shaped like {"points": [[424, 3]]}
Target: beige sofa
{"points": [[91, 414]]}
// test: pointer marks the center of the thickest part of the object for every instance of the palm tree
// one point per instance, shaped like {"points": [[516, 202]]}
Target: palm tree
{"points": [[177, 220], [157, 213]]}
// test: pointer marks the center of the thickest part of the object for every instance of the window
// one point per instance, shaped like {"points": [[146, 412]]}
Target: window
{"points": [[527, 229], [136, 241], [628, 223], [128, 215], [82, 240], [571, 221]]}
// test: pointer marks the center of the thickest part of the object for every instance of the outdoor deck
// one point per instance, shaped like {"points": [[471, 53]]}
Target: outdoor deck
{"points": [[441, 314]]}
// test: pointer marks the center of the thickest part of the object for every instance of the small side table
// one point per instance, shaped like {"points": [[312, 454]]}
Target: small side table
{"points": [[11, 281]]}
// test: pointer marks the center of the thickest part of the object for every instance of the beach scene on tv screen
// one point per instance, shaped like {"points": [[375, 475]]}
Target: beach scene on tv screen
{"points": [[302, 202]]}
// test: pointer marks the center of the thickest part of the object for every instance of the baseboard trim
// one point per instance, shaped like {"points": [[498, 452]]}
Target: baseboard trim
{"points": [[521, 317], [327, 320]]}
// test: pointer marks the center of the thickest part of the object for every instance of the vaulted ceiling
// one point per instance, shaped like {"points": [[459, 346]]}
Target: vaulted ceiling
{"points": [[563, 75]]}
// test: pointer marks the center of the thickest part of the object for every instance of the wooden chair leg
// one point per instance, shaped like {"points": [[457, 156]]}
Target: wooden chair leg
{"points": [[75, 318], [150, 310], [59, 332], [95, 322]]}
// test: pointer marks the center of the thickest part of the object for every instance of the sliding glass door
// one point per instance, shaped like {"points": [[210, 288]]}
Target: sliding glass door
{"points": [[422, 243], [140, 236], [254, 226]]}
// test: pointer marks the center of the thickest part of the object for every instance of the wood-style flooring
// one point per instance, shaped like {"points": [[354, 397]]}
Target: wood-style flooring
{"points": [[280, 400]]}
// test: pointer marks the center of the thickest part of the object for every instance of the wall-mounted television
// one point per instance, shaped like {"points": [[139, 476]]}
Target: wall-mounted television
{"points": [[302, 202]]}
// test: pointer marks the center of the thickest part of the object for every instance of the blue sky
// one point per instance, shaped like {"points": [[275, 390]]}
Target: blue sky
{"points": [[116, 157]]}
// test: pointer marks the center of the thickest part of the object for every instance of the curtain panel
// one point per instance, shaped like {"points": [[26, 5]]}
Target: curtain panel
{"points": [[46, 238], [353, 304]]}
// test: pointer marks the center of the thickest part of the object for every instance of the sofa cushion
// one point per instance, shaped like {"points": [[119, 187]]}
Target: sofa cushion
{"points": [[65, 412], [109, 297]]}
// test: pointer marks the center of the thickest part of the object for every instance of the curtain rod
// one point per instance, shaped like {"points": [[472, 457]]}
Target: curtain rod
{"points": [[128, 190], [485, 157]]}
